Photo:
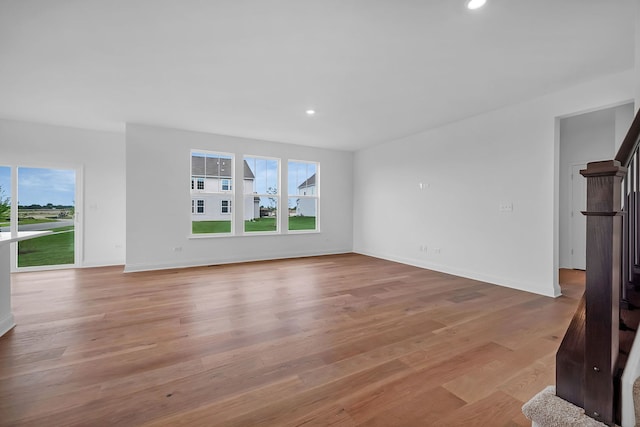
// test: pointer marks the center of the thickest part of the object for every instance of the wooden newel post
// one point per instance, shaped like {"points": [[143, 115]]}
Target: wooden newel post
{"points": [[604, 229]]}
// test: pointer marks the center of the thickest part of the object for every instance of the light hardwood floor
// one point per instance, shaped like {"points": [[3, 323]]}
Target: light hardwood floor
{"points": [[336, 340]]}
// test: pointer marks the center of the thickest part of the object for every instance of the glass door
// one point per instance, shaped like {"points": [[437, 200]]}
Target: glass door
{"points": [[5, 198], [46, 201]]}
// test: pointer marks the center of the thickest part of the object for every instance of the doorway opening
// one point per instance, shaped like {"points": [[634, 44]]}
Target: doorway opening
{"points": [[583, 138]]}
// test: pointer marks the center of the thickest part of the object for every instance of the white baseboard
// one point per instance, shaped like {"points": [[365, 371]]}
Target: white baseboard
{"points": [[494, 280], [6, 324], [132, 268], [102, 264]]}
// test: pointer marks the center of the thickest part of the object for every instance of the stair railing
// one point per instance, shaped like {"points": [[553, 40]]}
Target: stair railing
{"points": [[586, 362]]}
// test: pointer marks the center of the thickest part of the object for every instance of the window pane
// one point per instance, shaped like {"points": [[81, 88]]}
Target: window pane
{"points": [[302, 181], [264, 214], [46, 201], [5, 198], [262, 200], [212, 177], [263, 173], [302, 213], [302, 178]]}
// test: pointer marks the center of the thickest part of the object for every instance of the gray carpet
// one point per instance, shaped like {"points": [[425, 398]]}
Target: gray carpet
{"points": [[546, 409]]}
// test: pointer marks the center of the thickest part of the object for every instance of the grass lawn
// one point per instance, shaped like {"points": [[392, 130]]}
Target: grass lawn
{"points": [[302, 223], [201, 227], [5, 222], [258, 225], [53, 249]]}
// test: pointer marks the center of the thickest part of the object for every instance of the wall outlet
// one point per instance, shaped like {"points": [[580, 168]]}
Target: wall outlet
{"points": [[177, 249], [436, 251], [505, 207]]}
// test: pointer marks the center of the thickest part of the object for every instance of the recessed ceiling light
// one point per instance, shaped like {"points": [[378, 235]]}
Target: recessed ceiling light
{"points": [[475, 4], [310, 112]]}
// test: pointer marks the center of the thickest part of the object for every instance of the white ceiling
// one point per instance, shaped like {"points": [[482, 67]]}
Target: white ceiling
{"points": [[375, 70]]}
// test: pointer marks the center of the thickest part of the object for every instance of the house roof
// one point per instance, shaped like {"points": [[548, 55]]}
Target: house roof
{"points": [[212, 166], [309, 182]]}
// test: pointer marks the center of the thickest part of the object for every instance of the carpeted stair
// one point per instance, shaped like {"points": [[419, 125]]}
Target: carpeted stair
{"points": [[546, 409]]}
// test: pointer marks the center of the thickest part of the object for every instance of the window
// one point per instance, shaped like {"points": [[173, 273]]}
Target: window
{"points": [[225, 206], [261, 194], [302, 185], [200, 206], [212, 177], [5, 198]]}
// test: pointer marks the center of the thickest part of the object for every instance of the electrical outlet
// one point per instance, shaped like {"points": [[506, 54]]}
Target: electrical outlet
{"points": [[436, 251], [505, 207], [177, 249]]}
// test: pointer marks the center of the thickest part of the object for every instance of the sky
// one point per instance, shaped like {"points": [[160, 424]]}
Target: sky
{"points": [[266, 173], [41, 186]]}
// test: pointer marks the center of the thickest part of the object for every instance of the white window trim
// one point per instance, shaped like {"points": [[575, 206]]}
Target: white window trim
{"points": [[315, 196], [229, 194], [277, 196]]}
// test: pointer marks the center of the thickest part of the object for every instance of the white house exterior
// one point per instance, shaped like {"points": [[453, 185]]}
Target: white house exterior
{"points": [[307, 206], [212, 189]]}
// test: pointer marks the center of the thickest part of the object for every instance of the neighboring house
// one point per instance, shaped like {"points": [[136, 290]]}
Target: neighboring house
{"points": [[212, 190], [308, 188], [307, 206]]}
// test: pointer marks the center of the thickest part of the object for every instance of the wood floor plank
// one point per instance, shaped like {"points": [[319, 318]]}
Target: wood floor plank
{"points": [[341, 340]]}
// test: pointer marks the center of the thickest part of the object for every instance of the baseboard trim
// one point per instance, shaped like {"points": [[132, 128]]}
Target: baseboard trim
{"points": [[494, 280], [133, 268], [6, 324], [102, 264]]}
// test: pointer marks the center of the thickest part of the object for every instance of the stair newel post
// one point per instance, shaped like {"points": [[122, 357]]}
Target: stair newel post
{"points": [[603, 275]]}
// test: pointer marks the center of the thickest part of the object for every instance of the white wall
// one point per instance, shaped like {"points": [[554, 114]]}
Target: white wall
{"points": [[586, 138], [624, 117], [470, 168], [159, 218], [100, 156]]}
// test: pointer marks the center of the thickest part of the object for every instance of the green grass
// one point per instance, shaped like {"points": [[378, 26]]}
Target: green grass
{"points": [[202, 227], [255, 226], [260, 224], [24, 221], [53, 249], [302, 223]]}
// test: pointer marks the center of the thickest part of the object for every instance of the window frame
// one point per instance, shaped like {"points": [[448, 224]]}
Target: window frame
{"points": [[315, 196], [255, 194], [207, 195]]}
